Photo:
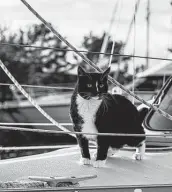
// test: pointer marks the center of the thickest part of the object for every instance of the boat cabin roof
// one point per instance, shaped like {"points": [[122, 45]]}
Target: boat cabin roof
{"points": [[120, 170]]}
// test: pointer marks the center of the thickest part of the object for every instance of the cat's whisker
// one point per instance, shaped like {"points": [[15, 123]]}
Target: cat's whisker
{"points": [[109, 97], [106, 98], [113, 98], [86, 95], [105, 106]]}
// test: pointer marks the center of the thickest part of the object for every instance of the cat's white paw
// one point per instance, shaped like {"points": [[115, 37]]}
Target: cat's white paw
{"points": [[94, 156], [99, 163], [111, 152], [85, 161], [138, 156]]}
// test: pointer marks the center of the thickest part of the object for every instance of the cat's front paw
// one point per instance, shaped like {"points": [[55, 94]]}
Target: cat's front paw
{"points": [[99, 163], [85, 161], [138, 156], [94, 156], [111, 151]]}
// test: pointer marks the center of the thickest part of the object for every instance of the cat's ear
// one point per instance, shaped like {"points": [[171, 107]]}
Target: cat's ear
{"points": [[105, 73], [81, 71]]}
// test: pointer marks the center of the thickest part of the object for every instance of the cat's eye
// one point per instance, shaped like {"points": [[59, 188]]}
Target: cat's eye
{"points": [[101, 85], [89, 85]]}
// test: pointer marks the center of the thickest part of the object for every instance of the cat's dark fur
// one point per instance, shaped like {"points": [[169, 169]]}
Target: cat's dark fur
{"points": [[93, 110]]}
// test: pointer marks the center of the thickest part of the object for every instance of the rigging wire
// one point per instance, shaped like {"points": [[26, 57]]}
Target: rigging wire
{"points": [[132, 21], [130, 28], [116, 75], [134, 43], [169, 135], [112, 50], [113, 39], [106, 38], [83, 51], [147, 32], [92, 146]]}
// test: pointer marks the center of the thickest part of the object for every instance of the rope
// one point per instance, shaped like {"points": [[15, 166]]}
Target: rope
{"points": [[23, 184], [34, 147], [83, 51], [84, 133], [39, 86], [113, 81], [30, 99], [36, 184], [41, 181], [36, 124]]}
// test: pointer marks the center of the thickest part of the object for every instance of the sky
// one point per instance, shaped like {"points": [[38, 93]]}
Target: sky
{"points": [[76, 18]]}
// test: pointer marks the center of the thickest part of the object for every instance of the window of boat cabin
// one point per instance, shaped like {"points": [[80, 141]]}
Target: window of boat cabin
{"points": [[150, 83], [156, 121]]}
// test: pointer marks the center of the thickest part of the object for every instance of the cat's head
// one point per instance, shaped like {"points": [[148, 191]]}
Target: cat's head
{"points": [[92, 85]]}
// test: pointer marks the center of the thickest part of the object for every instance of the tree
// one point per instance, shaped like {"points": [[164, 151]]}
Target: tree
{"points": [[49, 65], [35, 66], [93, 43]]}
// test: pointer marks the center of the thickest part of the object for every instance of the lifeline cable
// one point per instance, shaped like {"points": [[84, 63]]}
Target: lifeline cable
{"points": [[166, 115], [85, 133], [84, 51], [42, 147]]}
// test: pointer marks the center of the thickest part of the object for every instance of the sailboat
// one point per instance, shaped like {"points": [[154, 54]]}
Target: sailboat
{"points": [[60, 170]]}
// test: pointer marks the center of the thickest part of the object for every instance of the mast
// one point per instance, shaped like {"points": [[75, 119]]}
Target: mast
{"points": [[137, 3], [106, 38], [147, 33]]}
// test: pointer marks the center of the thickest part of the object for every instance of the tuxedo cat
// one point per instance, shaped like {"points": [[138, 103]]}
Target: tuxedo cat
{"points": [[94, 110]]}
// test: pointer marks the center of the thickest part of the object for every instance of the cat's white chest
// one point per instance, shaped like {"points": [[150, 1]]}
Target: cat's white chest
{"points": [[87, 110]]}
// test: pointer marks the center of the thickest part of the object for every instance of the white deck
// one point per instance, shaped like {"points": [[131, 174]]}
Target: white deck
{"points": [[121, 169]]}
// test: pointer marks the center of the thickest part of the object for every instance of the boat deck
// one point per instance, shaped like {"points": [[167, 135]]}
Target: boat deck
{"points": [[120, 170]]}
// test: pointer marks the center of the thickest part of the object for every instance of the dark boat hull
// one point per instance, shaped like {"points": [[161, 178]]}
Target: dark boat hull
{"points": [[31, 115]]}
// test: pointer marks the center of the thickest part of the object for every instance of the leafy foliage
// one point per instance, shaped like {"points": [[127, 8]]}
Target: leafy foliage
{"points": [[94, 43], [30, 65]]}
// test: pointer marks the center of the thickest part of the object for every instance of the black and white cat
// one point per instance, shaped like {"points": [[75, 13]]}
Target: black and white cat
{"points": [[94, 110]]}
